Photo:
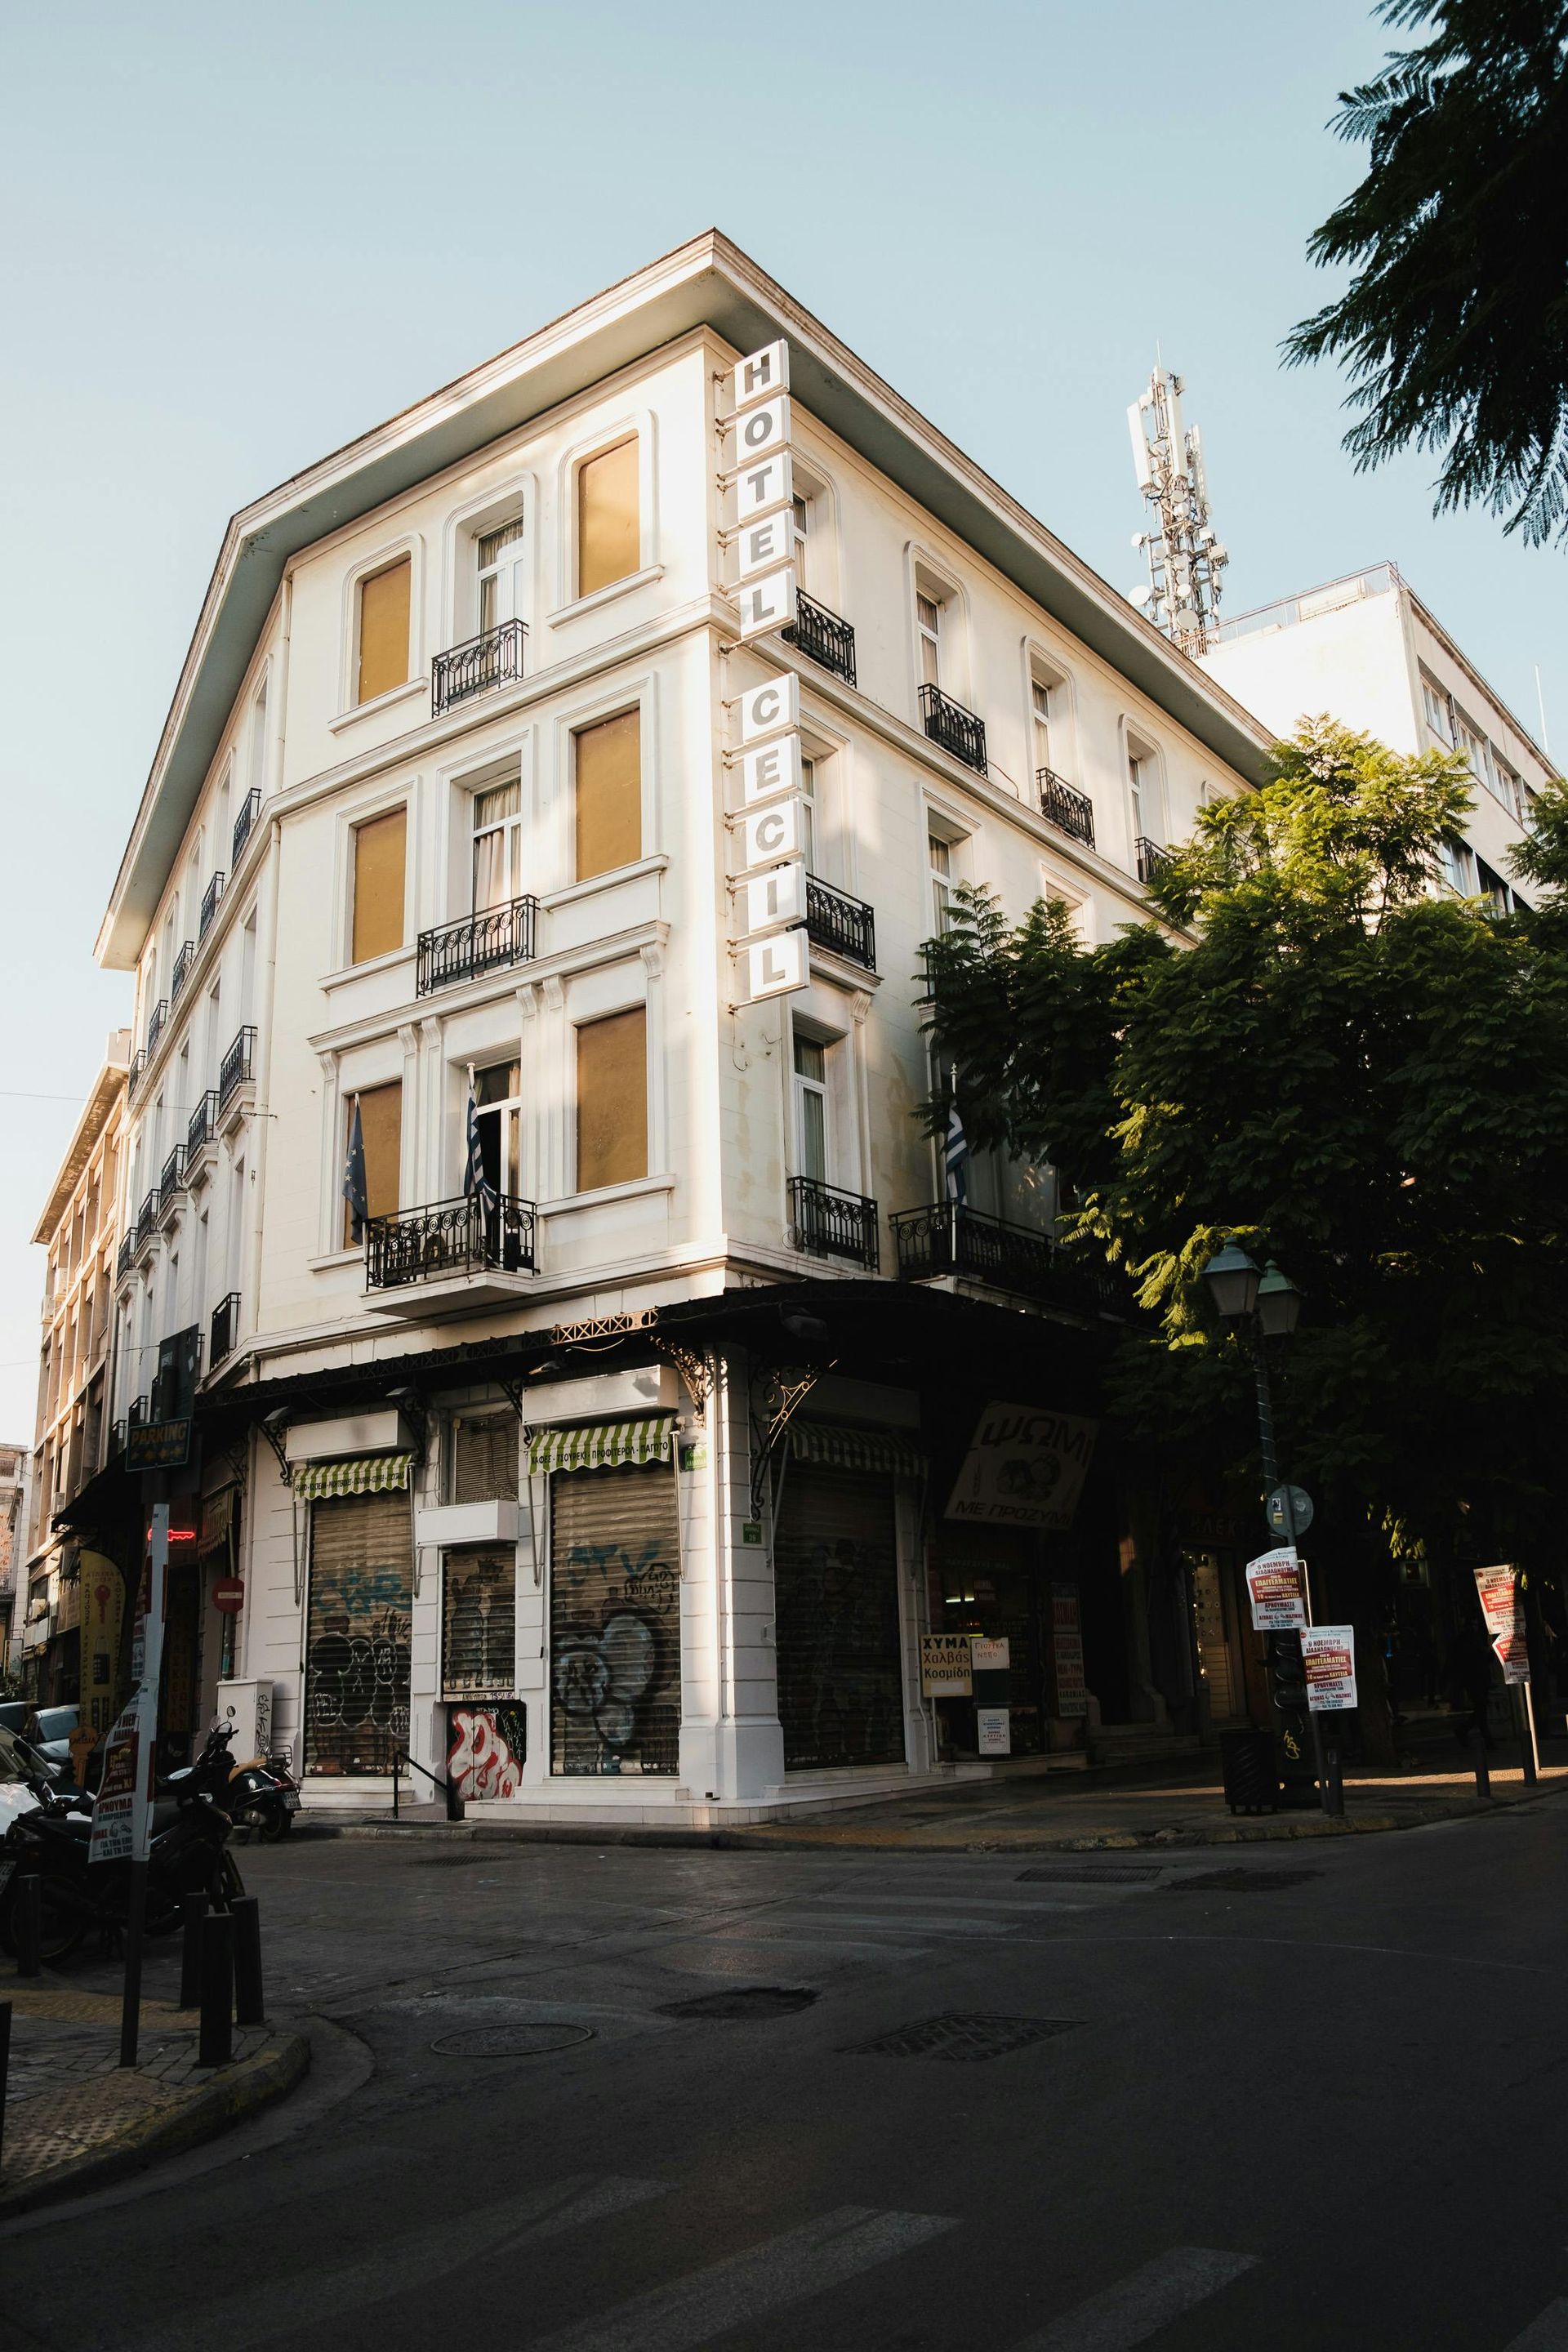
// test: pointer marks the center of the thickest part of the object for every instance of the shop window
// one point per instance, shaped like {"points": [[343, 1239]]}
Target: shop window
{"points": [[609, 522], [607, 761], [612, 1100], [383, 608], [380, 851]]}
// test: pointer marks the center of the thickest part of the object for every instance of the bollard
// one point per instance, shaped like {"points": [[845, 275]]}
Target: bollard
{"points": [[27, 1924], [193, 1911], [1483, 1769], [214, 2045], [455, 1810], [1336, 1788], [396, 1770], [5, 2071], [249, 2008]]}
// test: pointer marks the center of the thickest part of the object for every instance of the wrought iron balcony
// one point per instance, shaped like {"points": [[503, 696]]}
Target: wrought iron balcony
{"points": [[238, 1068], [204, 1124], [951, 1239], [1063, 805], [147, 1219], [843, 924], [830, 1224], [138, 1413], [170, 1182], [134, 1075], [482, 1231], [1154, 862], [476, 944], [249, 808], [956, 730], [182, 971], [156, 1026], [493, 660], [122, 1258], [210, 898], [225, 1328], [116, 1440], [822, 638]]}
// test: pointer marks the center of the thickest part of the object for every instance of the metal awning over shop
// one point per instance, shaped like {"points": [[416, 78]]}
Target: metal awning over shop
{"points": [[217, 1518], [838, 1448], [601, 1444], [366, 1473]]}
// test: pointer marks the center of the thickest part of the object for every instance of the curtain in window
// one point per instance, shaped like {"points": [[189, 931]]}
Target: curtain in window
{"points": [[495, 882]]}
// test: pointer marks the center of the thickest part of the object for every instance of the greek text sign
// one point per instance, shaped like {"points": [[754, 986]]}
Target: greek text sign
{"points": [[1328, 1655], [1274, 1589], [946, 1671], [1502, 1605], [122, 1819], [1024, 1467], [993, 1731]]}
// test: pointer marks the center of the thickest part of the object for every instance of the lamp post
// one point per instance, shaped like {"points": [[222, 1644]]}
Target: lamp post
{"points": [[1260, 1307]]}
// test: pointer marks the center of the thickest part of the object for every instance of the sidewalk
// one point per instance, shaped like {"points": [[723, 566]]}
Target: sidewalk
{"points": [[1174, 1806], [75, 2120]]}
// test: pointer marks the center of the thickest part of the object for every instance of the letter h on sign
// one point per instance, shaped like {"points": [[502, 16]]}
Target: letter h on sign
{"points": [[762, 375]]}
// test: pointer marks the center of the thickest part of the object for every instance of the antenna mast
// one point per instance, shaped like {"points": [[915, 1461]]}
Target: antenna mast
{"points": [[1186, 558]]}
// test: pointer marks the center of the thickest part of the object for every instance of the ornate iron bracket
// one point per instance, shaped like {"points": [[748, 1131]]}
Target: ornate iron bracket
{"points": [[695, 1372], [281, 1452], [777, 1391]]}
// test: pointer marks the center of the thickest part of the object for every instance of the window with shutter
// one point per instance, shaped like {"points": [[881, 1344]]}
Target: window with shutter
{"points": [[483, 1460], [380, 852], [615, 1621], [835, 1591], [357, 1631], [607, 761], [383, 603], [608, 521], [612, 1100]]}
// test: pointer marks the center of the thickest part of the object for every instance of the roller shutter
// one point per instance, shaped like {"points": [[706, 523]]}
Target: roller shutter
{"points": [[614, 1620], [836, 1599], [479, 1622], [357, 1633]]}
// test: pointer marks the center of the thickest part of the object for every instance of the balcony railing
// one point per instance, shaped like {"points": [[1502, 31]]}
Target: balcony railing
{"points": [[823, 638], [116, 1440], [138, 1413], [483, 1229], [147, 1219], [249, 808], [210, 898], [170, 1182], [156, 1026], [182, 971], [238, 1068], [1063, 805], [493, 660], [1154, 862], [830, 1224], [846, 926], [225, 1328], [134, 1075], [204, 1124], [951, 1239], [956, 730], [477, 943], [122, 1258]]}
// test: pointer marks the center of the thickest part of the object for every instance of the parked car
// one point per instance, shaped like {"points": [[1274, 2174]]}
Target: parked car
{"points": [[50, 1731], [15, 1795], [13, 1713]]}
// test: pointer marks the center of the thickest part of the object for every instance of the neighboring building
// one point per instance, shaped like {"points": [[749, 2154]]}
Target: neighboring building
{"points": [[634, 1466], [13, 1521], [80, 1229], [1366, 650]]}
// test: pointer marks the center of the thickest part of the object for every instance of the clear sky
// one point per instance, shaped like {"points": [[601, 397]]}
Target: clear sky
{"points": [[236, 237]]}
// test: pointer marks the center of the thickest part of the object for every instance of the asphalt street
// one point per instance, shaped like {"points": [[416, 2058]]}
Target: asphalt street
{"points": [[628, 2100]]}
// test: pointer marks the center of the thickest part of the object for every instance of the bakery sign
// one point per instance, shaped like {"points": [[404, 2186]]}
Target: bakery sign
{"points": [[1025, 1468]]}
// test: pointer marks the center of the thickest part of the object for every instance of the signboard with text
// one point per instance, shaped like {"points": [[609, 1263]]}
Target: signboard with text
{"points": [[945, 1665], [1327, 1658], [1070, 1691], [122, 1818], [1502, 1606], [1274, 1589], [1024, 1467]]}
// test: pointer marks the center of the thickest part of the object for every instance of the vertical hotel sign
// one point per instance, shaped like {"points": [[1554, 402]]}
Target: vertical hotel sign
{"points": [[768, 934]]}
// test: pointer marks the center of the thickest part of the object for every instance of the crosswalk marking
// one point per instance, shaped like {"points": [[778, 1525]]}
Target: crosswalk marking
{"points": [[414, 2260], [1546, 2333], [1140, 2304], [949, 1924], [748, 2286]]}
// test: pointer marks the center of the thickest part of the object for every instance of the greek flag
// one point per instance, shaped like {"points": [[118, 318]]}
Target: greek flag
{"points": [[354, 1191], [474, 1179], [955, 1149]]}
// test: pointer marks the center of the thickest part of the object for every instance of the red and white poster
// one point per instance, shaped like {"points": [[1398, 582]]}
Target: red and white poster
{"points": [[1502, 1606], [1328, 1655], [1070, 1691], [1274, 1589], [122, 1816]]}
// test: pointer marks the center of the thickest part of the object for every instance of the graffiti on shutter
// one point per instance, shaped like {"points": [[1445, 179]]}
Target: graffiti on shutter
{"points": [[485, 1748], [836, 1601], [614, 1620], [357, 1633], [479, 1622]]}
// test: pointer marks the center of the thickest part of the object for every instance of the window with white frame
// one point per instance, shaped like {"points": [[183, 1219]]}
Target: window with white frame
{"points": [[1041, 715], [1458, 865], [928, 630], [941, 877], [1438, 712], [498, 846], [258, 737], [799, 535], [1143, 790], [497, 1103], [810, 1083], [498, 566], [808, 767], [1476, 750]]}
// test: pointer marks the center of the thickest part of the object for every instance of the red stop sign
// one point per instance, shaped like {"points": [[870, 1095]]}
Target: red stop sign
{"points": [[228, 1594]]}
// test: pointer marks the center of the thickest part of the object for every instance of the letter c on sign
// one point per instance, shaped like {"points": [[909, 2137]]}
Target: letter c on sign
{"points": [[771, 831]]}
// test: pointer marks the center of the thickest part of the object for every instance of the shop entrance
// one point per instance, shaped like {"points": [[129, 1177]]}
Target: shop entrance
{"points": [[837, 1597], [1212, 1580], [990, 1586]]}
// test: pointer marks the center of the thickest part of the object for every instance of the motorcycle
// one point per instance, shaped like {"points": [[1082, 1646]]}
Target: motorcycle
{"points": [[264, 1795], [186, 1855]]}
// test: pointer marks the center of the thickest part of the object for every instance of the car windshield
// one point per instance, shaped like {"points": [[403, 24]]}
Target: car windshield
{"points": [[57, 1722], [11, 1765]]}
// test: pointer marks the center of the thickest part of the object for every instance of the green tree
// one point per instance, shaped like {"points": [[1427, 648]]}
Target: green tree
{"points": [[1456, 322], [1362, 1078]]}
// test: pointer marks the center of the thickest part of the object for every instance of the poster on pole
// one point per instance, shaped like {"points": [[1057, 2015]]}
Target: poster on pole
{"points": [[1274, 1589], [122, 1816], [1328, 1655], [1502, 1606]]}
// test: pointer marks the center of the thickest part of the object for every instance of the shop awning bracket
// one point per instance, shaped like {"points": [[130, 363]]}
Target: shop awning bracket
{"points": [[777, 1391]]}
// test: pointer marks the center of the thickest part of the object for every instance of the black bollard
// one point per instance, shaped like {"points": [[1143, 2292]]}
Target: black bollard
{"points": [[249, 2008], [27, 1924], [193, 1911], [214, 2045], [1483, 1769], [5, 2071]]}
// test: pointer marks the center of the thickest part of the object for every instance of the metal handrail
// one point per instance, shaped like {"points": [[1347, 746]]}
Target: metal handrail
{"points": [[956, 730], [488, 941], [454, 1810], [1063, 805], [249, 808], [822, 638], [827, 1223], [492, 658], [845, 925]]}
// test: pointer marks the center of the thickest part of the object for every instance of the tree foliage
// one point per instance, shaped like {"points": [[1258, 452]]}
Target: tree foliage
{"points": [[1456, 322], [1360, 1078]]}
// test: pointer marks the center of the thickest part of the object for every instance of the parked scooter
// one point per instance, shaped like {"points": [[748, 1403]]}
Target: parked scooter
{"points": [[186, 1856], [264, 1795]]}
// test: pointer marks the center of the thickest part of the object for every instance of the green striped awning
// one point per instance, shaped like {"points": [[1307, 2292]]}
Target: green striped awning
{"points": [[855, 1449], [366, 1473], [603, 1445]]}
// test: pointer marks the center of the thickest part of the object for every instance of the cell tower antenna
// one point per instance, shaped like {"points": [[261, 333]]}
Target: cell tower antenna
{"points": [[1184, 557]]}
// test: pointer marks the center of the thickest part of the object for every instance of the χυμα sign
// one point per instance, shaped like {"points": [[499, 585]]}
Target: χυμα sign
{"points": [[945, 1667]]}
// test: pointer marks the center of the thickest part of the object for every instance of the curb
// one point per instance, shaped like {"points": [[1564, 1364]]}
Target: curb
{"points": [[200, 2116]]}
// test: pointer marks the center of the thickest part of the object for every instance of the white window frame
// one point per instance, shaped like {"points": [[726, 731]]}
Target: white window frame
{"points": [[804, 1089], [417, 682]]}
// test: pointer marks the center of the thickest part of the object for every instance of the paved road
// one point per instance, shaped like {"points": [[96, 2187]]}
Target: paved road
{"points": [[1293, 2112]]}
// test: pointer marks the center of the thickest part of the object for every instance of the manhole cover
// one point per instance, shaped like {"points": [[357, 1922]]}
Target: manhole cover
{"points": [[1116, 1874], [954, 2035], [743, 2001], [1245, 1882], [510, 2041]]}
